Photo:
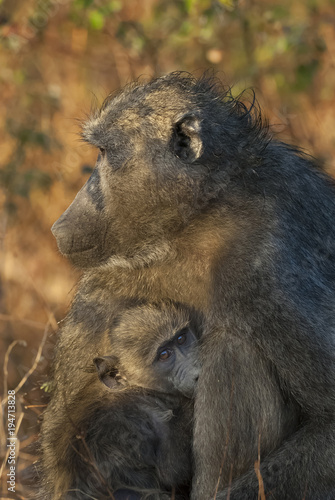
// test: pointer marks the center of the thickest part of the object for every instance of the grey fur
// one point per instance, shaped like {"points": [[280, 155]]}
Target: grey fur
{"points": [[200, 206]]}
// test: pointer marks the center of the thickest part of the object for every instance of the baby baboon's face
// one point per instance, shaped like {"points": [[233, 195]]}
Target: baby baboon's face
{"points": [[155, 349]]}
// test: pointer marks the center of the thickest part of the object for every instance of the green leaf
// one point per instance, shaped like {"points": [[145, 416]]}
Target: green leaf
{"points": [[305, 74], [279, 12], [115, 5], [320, 44], [84, 3], [188, 5], [47, 386], [230, 4], [96, 20], [38, 179]]}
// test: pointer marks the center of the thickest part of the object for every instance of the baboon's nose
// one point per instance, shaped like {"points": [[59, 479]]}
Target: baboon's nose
{"points": [[61, 233], [56, 229]]}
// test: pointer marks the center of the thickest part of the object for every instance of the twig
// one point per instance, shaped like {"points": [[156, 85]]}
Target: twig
{"points": [[219, 480], [5, 366], [90, 460], [51, 318], [8, 451], [5, 385], [33, 368], [257, 466], [9, 317], [35, 406], [83, 493], [232, 389]]}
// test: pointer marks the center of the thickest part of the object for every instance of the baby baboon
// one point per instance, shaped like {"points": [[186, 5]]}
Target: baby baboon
{"points": [[192, 201], [153, 348], [140, 437], [156, 349]]}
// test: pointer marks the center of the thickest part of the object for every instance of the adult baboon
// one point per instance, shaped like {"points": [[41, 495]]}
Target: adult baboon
{"points": [[140, 437], [191, 200]]}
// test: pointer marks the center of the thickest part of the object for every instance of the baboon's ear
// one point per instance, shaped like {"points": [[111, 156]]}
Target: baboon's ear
{"points": [[186, 140], [107, 368]]}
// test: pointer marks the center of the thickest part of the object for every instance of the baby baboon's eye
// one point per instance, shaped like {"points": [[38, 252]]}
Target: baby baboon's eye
{"points": [[165, 354], [182, 337]]}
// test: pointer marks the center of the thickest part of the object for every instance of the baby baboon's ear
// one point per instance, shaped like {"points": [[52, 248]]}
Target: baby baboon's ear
{"points": [[107, 368], [186, 140]]}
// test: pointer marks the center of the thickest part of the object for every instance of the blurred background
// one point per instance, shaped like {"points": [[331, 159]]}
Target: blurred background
{"points": [[58, 58]]}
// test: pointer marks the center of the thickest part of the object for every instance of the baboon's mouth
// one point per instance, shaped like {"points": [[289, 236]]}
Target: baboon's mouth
{"points": [[74, 246], [73, 253], [86, 258]]}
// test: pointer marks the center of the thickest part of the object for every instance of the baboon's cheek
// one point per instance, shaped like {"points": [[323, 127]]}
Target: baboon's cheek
{"points": [[80, 230]]}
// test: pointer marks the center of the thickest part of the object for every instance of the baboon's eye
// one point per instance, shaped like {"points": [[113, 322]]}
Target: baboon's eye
{"points": [[165, 354], [181, 339], [102, 151]]}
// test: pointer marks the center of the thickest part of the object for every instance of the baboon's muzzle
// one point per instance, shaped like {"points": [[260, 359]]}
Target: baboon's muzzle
{"points": [[80, 230]]}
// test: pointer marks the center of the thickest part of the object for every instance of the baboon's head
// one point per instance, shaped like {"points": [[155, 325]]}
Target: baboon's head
{"points": [[165, 150], [154, 348]]}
